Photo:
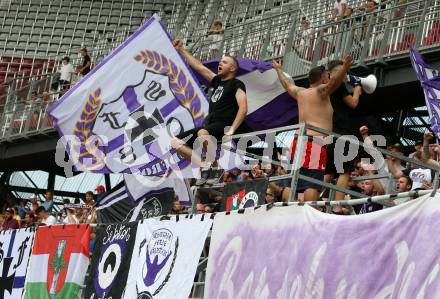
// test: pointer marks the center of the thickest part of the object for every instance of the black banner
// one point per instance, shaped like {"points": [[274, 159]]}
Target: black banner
{"points": [[244, 194], [111, 258], [125, 210]]}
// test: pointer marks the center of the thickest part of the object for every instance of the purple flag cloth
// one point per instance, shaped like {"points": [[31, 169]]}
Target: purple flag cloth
{"points": [[269, 106], [299, 252], [430, 81]]}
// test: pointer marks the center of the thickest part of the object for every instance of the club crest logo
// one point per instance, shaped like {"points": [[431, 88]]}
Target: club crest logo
{"points": [[57, 264], [163, 103], [114, 247], [217, 94], [249, 200], [241, 200], [160, 255], [146, 208]]}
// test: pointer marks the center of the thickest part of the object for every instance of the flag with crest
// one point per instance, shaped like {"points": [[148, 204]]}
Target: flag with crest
{"points": [[121, 117], [59, 261]]}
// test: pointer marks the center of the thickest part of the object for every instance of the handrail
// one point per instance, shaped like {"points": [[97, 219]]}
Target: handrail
{"points": [[381, 150], [302, 128]]}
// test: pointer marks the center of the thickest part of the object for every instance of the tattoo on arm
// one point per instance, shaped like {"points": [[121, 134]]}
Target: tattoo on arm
{"points": [[287, 83]]}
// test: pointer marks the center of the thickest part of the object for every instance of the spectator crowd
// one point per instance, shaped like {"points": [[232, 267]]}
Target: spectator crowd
{"points": [[22, 213], [391, 177]]}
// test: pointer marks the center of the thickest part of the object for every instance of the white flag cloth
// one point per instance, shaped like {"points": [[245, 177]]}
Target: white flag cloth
{"points": [[122, 115], [165, 257], [15, 250], [138, 186]]}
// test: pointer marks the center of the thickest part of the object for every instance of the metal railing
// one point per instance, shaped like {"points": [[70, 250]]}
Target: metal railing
{"points": [[374, 37], [359, 199], [268, 136], [368, 37], [26, 117]]}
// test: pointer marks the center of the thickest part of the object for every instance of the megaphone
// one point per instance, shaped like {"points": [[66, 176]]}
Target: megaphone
{"points": [[368, 83]]}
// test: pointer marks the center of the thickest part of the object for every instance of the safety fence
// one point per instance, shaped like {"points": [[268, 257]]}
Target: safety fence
{"points": [[369, 37], [269, 137], [299, 135]]}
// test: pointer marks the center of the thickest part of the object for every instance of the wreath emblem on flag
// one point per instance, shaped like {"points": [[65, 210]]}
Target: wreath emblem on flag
{"points": [[92, 147]]}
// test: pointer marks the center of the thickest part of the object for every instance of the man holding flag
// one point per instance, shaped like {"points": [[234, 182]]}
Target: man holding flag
{"points": [[227, 106]]}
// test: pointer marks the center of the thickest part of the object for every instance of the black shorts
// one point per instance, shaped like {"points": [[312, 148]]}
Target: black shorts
{"points": [[217, 129], [315, 174], [330, 167]]}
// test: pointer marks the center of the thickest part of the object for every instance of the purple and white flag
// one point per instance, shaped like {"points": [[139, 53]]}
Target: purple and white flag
{"points": [[299, 252], [121, 117], [430, 80], [269, 105]]}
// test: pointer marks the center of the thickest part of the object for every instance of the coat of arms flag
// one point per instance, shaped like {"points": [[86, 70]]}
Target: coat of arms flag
{"points": [[59, 261], [121, 117]]}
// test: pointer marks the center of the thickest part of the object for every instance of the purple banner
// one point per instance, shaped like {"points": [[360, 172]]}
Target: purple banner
{"points": [[298, 252], [430, 81]]}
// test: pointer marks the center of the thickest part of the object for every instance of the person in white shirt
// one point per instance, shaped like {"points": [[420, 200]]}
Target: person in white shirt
{"points": [[44, 217], [340, 6], [66, 71], [70, 217], [217, 38]]}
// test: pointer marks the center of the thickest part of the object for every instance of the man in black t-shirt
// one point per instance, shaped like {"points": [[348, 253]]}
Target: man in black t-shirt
{"points": [[344, 123], [86, 62], [227, 105]]}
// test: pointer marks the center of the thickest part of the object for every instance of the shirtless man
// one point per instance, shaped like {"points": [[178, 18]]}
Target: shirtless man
{"points": [[315, 109]]}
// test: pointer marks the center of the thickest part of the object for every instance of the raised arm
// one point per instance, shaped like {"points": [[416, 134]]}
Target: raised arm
{"points": [[335, 81], [241, 97], [426, 155], [352, 101], [193, 62], [287, 83]]}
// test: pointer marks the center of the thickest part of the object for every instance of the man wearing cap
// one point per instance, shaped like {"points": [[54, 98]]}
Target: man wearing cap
{"points": [[100, 189], [10, 222]]}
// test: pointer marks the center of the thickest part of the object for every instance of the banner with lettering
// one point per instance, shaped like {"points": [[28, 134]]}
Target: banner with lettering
{"points": [[59, 261], [430, 80], [111, 258], [299, 252], [244, 194], [117, 207], [165, 257], [121, 117], [15, 250]]}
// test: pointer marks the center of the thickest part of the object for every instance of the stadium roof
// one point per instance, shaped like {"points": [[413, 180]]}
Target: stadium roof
{"points": [[81, 183]]}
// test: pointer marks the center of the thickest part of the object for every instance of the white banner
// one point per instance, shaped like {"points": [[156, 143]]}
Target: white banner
{"points": [[165, 257], [122, 115], [15, 250], [297, 252]]}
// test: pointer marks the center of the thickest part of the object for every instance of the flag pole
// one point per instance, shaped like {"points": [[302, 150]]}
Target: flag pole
{"points": [[191, 195]]}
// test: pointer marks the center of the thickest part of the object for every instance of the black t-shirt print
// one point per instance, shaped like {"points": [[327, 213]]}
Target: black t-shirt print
{"points": [[86, 59], [223, 105], [344, 122]]}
